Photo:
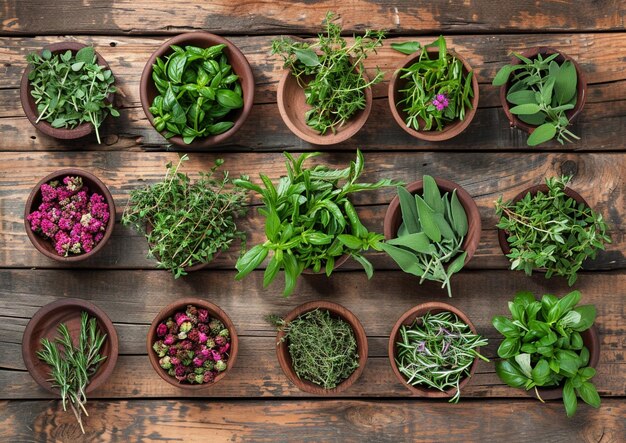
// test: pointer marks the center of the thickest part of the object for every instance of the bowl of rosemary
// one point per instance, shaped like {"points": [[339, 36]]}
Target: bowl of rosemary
{"points": [[434, 350]]}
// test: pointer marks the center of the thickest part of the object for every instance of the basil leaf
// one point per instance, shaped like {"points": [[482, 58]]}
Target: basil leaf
{"points": [[569, 399], [505, 327], [509, 347], [176, 67], [587, 317], [250, 261], [510, 374]]}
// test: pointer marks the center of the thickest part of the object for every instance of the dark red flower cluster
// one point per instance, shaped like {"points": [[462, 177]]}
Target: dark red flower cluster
{"points": [[68, 215], [192, 346]]}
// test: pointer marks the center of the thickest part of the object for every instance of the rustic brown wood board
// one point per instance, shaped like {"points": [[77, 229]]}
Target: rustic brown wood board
{"points": [[256, 402]]}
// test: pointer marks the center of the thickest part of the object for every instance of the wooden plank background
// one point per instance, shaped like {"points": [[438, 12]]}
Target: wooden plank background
{"points": [[256, 402]]}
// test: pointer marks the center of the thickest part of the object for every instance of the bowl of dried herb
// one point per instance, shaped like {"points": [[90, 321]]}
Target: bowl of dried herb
{"points": [[321, 347]]}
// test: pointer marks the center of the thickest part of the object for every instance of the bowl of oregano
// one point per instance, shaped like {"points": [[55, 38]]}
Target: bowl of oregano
{"points": [[325, 95], [321, 347], [67, 90], [550, 228]]}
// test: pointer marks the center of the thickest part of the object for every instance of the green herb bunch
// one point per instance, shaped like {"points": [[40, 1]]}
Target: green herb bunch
{"points": [[309, 221], [187, 223], [437, 91], [431, 234], [322, 347], [542, 91], [437, 351], [543, 347], [71, 89], [72, 366], [331, 73], [197, 92], [551, 231]]}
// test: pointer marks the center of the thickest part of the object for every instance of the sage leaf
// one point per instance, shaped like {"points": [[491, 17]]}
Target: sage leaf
{"points": [[409, 210], [405, 259], [542, 134], [457, 264], [525, 109], [432, 196], [425, 214], [566, 82], [417, 242], [459, 217], [521, 97]]}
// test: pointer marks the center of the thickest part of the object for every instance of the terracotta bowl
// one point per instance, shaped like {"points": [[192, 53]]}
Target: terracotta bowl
{"points": [[397, 84], [292, 107], [94, 184], [169, 311], [581, 87], [533, 190], [591, 339], [282, 350], [240, 65], [393, 216], [44, 325], [407, 319], [30, 108]]}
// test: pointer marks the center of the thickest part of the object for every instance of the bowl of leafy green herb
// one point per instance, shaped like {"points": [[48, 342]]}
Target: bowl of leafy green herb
{"points": [[550, 228], [67, 90], [70, 348], [542, 91], [433, 95], [434, 350], [310, 221], [550, 348], [197, 89], [432, 229], [321, 347], [325, 95]]}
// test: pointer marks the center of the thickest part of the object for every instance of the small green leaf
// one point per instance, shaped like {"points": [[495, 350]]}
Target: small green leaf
{"points": [[521, 97], [409, 210], [502, 76], [566, 83], [308, 57], [418, 242], [510, 374], [229, 99], [432, 195], [250, 261], [509, 347], [350, 241], [405, 259], [457, 264], [406, 47], [85, 55], [589, 394], [425, 214], [459, 217], [569, 399]]}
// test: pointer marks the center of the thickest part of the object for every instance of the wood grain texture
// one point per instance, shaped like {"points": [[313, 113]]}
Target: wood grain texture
{"points": [[601, 126], [485, 177], [247, 16], [314, 421], [139, 295]]}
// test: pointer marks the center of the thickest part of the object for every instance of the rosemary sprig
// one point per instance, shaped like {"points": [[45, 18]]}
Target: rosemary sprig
{"points": [[437, 351], [73, 366]]}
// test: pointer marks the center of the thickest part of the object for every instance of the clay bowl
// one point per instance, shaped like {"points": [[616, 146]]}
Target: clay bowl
{"points": [[397, 84], [282, 350], [30, 108], [240, 65], [407, 319], [393, 216], [533, 190], [581, 87], [169, 311], [94, 184], [292, 107], [44, 325]]}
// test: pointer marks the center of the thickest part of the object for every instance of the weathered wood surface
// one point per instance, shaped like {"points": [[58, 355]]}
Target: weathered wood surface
{"points": [[247, 16], [313, 421], [601, 125], [133, 298], [598, 177]]}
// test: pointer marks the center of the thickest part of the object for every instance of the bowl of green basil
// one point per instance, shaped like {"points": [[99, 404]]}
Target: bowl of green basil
{"points": [[197, 89]]}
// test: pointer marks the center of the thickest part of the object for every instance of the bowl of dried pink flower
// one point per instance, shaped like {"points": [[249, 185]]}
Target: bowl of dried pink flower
{"points": [[192, 344], [69, 215]]}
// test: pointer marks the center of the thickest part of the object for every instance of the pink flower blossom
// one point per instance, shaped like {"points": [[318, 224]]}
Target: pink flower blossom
{"points": [[440, 102]]}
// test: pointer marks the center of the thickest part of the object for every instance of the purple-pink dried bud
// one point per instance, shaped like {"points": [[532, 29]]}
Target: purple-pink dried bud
{"points": [[216, 355], [162, 330], [175, 361], [203, 315], [220, 341], [193, 335], [197, 361], [202, 337], [208, 377], [169, 339]]}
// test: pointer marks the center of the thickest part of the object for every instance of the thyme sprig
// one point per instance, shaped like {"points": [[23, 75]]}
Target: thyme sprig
{"points": [[73, 366], [438, 350]]}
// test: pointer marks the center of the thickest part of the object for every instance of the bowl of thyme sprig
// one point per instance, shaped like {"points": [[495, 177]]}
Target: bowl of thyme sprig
{"points": [[433, 95], [67, 90], [70, 348], [434, 349], [321, 347], [325, 95]]}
